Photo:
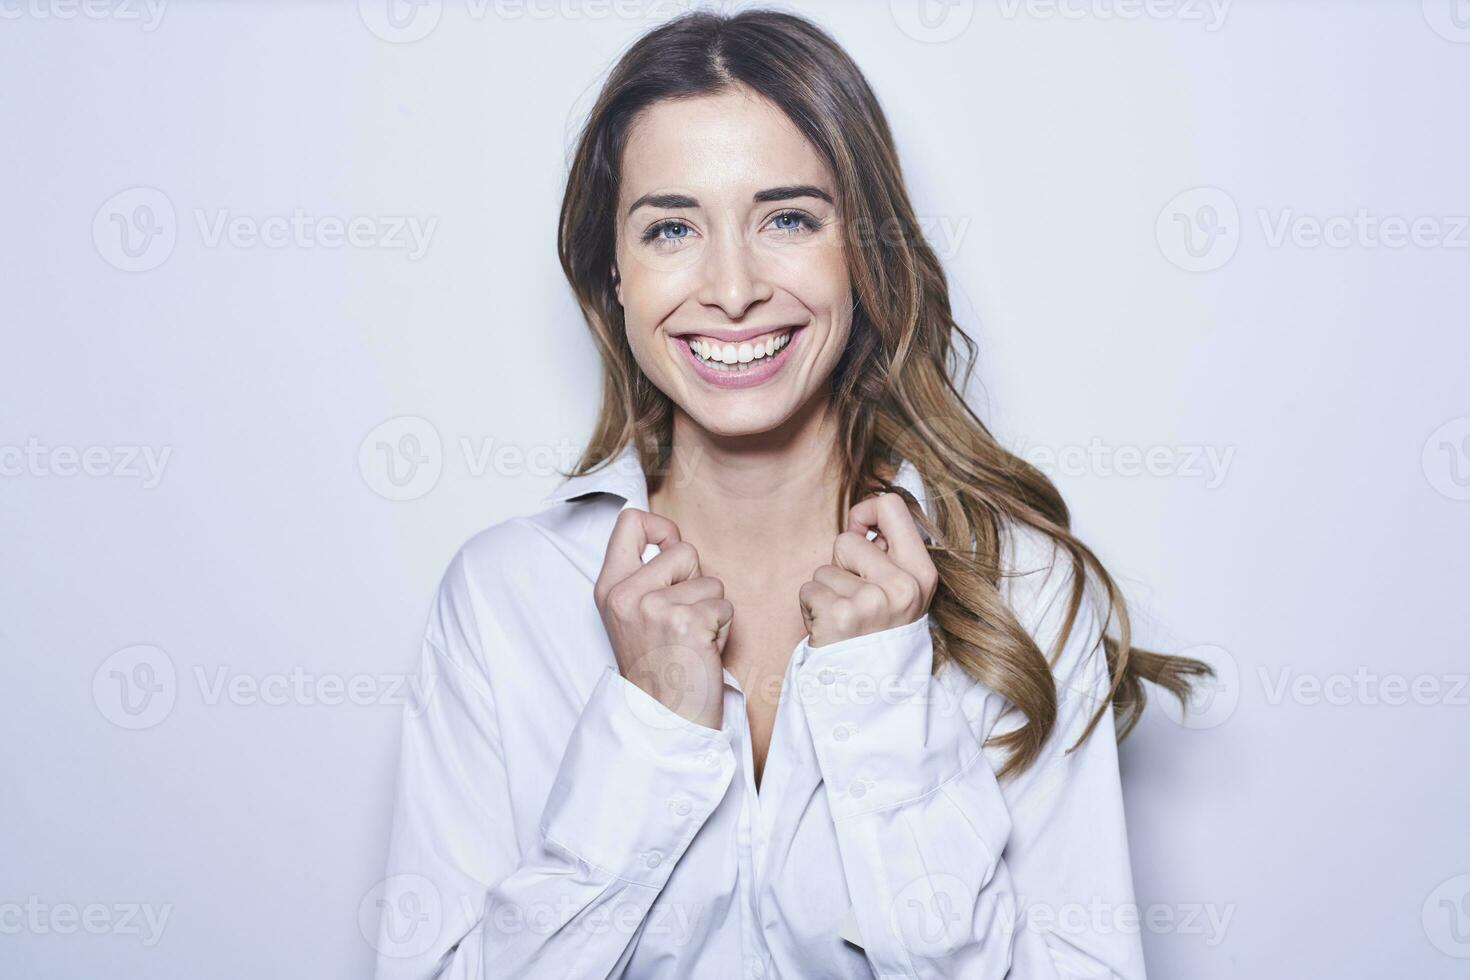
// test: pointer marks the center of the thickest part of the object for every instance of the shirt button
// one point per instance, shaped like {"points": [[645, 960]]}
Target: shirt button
{"points": [[653, 859], [858, 788], [681, 807], [842, 733], [757, 968], [709, 759], [827, 675]]}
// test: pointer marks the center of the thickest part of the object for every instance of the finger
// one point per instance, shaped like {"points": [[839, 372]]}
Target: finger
{"points": [[723, 612], [839, 580], [718, 612], [818, 603], [709, 620], [890, 515], [634, 531], [855, 553], [868, 533], [695, 590], [811, 596], [677, 562]]}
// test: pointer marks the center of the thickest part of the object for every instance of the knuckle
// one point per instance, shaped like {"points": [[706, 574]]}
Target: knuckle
{"points": [[619, 601], [682, 621], [871, 598], [649, 605]]}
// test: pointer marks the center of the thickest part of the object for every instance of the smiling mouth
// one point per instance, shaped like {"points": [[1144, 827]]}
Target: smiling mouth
{"points": [[737, 358]]}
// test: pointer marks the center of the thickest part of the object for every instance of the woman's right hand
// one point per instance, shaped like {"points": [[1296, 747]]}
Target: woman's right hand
{"points": [[666, 620]]}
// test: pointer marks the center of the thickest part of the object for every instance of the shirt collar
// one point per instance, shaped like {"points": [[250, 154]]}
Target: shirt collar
{"points": [[623, 476]]}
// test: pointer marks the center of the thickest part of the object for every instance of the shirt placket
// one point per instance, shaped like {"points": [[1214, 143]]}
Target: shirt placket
{"points": [[750, 840]]}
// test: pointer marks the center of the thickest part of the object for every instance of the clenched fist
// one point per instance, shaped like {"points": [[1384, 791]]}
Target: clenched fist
{"points": [[871, 585], [666, 620]]}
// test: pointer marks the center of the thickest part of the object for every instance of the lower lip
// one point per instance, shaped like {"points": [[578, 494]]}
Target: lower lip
{"points": [[759, 372]]}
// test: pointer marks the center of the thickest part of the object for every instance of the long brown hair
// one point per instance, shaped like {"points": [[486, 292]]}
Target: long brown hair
{"points": [[897, 390]]}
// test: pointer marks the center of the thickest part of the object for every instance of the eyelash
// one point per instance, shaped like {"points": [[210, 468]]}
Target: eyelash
{"points": [[650, 235]]}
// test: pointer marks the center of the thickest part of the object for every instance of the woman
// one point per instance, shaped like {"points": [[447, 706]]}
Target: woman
{"points": [[796, 675]]}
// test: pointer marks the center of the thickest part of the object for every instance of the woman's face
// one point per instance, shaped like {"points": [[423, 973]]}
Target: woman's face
{"points": [[728, 240]]}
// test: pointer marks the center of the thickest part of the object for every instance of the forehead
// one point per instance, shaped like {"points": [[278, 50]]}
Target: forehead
{"points": [[734, 142]]}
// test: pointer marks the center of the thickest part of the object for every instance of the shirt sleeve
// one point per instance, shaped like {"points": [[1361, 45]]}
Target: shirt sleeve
{"points": [[460, 899], [950, 874]]}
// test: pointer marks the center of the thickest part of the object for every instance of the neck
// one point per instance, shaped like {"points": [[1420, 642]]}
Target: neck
{"points": [[737, 495]]}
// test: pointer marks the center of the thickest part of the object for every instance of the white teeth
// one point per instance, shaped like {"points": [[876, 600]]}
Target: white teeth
{"points": [[727, 356]]}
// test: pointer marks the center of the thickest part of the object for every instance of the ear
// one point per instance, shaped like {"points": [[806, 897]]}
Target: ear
{"points": [[617, 284]]}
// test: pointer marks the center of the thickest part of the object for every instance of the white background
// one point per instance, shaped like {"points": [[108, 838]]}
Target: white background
{"points": [[1315, 829]]}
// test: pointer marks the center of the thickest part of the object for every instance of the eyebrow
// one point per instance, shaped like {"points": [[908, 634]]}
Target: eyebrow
{"points": [[684, 201]]}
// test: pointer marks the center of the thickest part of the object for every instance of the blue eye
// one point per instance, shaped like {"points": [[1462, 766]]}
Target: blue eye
{"points": [[802, 220], [656, 231], [790, 222]]}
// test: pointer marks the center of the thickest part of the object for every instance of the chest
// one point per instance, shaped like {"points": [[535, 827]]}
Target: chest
{"points": [[767, 627]]}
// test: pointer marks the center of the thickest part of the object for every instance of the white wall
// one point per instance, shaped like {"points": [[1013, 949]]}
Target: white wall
{"points": [[1325, 544]]}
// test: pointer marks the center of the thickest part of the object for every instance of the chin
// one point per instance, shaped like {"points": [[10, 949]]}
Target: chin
{"points": [[730, 423]]}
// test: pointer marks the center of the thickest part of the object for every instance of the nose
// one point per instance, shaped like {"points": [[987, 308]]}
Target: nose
{"points": [[732, 278]]}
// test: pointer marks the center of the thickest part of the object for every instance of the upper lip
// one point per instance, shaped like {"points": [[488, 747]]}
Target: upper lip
{"points": [[738, 336]]}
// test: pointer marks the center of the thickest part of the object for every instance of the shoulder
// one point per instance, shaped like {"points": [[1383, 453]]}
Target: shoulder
{"points": [[527, 548], [1038, 579], [502, 546], [518, 564], [1034, 569]]}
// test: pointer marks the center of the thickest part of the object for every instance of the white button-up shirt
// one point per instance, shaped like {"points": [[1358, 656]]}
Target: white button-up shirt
{"points": [[555, 820]]}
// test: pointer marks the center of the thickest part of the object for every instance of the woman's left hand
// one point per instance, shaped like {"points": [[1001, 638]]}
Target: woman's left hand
{"points": [[871, 585]]}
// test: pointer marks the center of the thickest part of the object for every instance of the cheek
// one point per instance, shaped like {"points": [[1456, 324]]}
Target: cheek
{"points": [[826, 289], [647, 302], [651, 287], [643, 342]]}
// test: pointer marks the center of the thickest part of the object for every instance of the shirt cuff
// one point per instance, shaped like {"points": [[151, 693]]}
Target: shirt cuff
{"points": [[884, 729], [636, 783]]}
